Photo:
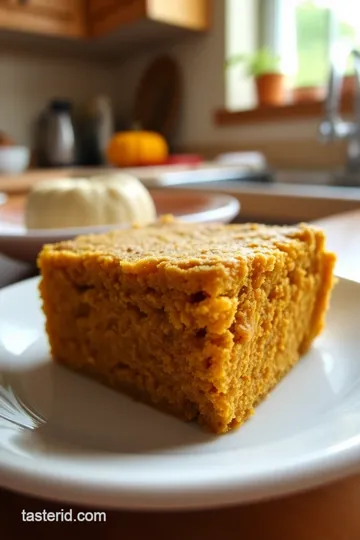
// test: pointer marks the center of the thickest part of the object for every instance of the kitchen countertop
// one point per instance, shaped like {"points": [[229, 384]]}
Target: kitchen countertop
{"points": [[260, 201], [327, 513], [166, 175]]}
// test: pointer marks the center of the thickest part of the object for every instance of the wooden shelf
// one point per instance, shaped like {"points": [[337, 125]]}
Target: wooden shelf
{"points": [[289, 111]]}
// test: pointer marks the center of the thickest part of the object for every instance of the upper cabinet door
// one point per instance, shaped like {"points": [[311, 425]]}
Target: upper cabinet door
{"points": [[107, 15], [47, 8], [57, 17], [189, 14]]}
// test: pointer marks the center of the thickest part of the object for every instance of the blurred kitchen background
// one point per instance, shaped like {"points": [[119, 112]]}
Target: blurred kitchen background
{"points": [[240, 89]]}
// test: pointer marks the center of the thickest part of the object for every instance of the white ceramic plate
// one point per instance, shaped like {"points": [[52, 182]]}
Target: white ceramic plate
{"points": [[68, 438], [186, 205]]}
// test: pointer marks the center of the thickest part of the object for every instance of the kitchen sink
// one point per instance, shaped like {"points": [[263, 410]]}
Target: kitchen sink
{"points": [[316, 178], [289, 196], [307, 177]]}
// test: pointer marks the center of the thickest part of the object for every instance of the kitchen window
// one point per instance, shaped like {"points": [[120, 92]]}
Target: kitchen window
{"points": [[317, 25], [302, 32]]}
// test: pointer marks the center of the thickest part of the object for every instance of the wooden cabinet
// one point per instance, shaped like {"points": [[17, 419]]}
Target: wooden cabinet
{"points": [[190, 14], [56, 17], [133, 20], [108, 15]]}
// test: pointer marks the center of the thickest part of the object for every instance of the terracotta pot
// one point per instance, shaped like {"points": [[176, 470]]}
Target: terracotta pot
{"points": [[307, 94], [348, 85], [271, 89]]}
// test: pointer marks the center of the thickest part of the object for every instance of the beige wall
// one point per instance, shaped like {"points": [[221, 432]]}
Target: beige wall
{"points": [[27, 82], [202, 63], [201, 59]]}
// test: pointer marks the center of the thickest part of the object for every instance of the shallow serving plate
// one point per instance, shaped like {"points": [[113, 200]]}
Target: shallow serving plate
{"points": [[187, 205], [65, 437]]}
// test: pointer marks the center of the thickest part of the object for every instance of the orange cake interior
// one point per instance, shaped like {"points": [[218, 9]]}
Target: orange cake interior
{"points": [[202, 320]]}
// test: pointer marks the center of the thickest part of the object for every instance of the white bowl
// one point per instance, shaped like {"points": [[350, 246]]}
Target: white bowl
{"points": [[14, 159]]}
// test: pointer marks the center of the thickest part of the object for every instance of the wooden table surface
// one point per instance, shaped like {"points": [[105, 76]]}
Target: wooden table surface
{"points": [[327, 513]]}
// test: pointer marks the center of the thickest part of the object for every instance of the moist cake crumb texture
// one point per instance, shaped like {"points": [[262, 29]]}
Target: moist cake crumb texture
{"points": [[202, 320]]}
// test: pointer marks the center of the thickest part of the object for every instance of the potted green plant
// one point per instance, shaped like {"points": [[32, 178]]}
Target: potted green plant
{"points": [[264, 67]]}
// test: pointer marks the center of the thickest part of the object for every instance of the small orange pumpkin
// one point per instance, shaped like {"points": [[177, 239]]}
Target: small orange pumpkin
{"points": [[136, 148]]}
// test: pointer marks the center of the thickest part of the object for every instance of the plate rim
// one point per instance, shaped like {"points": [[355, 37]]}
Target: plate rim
{"points": [[187, 497], [18, 474], [227, 208]]}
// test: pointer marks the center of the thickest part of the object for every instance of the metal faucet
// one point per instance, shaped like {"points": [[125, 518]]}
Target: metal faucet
{"points": [[333, 127]]}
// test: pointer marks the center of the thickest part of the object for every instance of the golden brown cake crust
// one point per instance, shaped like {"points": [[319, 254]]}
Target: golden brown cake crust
{"points": [[203, 318], [186, 244]]}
